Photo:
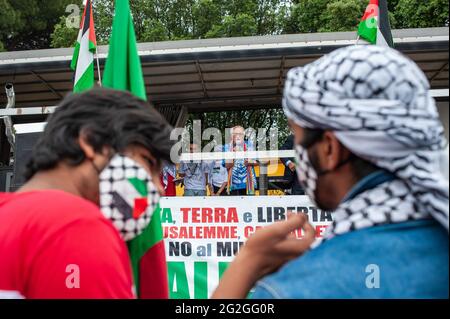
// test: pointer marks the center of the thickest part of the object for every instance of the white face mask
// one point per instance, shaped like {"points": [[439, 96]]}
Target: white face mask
{"points": [[128, 196], [306, 173]]}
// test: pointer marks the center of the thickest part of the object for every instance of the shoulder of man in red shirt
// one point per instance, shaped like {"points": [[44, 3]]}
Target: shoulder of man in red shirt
{"points": [[57, 245]]}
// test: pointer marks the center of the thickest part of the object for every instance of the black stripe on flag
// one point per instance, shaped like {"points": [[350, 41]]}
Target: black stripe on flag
{"points": [[384, 25], [87, 18]]}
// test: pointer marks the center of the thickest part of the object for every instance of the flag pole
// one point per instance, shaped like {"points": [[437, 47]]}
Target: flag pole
{"points": [[96, 55], [98, 67]]}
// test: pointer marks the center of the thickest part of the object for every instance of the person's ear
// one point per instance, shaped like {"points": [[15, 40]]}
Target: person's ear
{"points": [[332, 150], [88, 150], [100, 159]]}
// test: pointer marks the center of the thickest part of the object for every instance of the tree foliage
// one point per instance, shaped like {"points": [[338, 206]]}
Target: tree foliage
{"points": [[35, 24], [28, 24], [342, 15], [421, 13], [306, 16], [267, 118]]}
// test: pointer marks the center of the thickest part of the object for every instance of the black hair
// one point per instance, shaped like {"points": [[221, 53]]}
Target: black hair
{"points": [[360, 166], [311, 136], [106, 117]]}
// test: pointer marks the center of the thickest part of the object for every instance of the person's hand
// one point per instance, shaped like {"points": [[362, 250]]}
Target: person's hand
{"points": [[271, 247], [264, 252], [229, 165], [291, 166], [250, 163]]}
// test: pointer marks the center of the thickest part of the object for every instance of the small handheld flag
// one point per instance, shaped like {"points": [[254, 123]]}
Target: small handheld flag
{"points": [[374, 26], [83, 57]]}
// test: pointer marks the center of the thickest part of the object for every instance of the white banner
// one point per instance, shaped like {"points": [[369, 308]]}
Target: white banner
{"points": [[203, 234]]}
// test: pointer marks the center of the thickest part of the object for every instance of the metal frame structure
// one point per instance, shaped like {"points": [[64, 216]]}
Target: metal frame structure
{"points": [[209, 75], [215, 74]]}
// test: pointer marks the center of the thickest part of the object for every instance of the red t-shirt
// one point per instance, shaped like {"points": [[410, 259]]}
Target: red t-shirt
{"points": [[57, 245]]}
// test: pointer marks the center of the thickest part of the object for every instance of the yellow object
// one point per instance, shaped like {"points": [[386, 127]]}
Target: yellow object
{"points": [[274, 170]]}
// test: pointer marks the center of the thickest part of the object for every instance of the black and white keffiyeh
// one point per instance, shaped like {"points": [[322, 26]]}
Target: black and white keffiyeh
{"points": [[128, 196], [378, 104]]}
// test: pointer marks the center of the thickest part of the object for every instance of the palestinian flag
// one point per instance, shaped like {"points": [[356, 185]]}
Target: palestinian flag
{"points": [[123, 71], [83, 57], [374, 26]]}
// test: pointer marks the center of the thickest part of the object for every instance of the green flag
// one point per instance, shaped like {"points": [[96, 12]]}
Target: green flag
{"points": [[123, 69]]}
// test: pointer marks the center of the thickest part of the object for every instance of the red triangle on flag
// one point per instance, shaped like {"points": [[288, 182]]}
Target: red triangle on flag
{"points": [[140, 205]]}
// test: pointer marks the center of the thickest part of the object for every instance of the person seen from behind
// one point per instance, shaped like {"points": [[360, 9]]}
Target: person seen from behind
{"points": [[99, 148], [368, 140]]}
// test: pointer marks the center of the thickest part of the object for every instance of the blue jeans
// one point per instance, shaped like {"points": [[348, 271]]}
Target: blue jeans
{"points": [[194, 192]]}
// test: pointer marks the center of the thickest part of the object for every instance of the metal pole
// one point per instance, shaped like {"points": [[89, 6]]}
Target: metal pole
{"points": [[263, 179], [98, 67], [96, 53], [9, 131]]}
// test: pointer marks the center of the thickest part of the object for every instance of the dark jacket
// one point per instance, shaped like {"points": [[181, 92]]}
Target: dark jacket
{"points": [[288, 174]]}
